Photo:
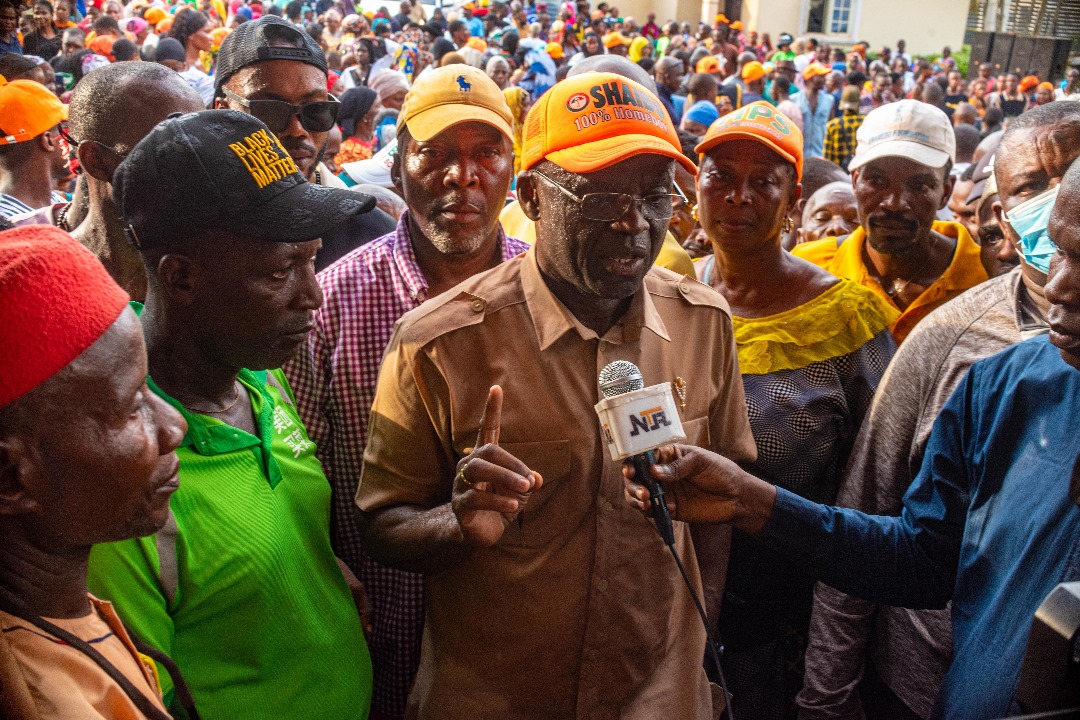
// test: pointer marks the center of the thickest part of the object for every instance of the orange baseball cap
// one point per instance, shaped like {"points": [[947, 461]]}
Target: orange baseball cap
{"points": [[736, 25], [721, 18], [1028, 82], [476, 43], [814, 69], [752, 71], [164, 25], [761, 122], [154, 15], [707, 65], [613, 39], [594, 120], [102, 45], [27, 110], [555, 50]]}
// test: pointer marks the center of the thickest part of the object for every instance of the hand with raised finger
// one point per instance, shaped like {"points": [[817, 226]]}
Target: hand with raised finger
{"points": [[491, 486]]}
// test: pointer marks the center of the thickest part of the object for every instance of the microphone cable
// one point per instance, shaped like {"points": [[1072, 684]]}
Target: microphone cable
{"points": [[710, 645]]}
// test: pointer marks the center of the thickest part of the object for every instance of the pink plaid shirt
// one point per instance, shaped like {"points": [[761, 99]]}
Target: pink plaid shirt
{"points": [[334, 380]]}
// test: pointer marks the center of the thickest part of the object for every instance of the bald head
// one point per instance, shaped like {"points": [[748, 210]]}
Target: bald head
{"points": [[617, 65], [117, 105]]}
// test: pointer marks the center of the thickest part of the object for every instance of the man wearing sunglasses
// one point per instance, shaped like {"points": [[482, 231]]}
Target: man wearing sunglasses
{"points": [[544, 598], [273, 70]]}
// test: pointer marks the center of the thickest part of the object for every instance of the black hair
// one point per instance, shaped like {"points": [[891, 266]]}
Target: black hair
{"points": [[13, 66], [819, 172], [186, 23], [967, 139], [454, 26], [294, 9], [1043, 115], [106, 22]]}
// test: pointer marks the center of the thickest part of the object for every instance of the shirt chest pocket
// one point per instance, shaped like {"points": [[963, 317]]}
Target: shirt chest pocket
{"points": [[697, 432], [556, 508]]}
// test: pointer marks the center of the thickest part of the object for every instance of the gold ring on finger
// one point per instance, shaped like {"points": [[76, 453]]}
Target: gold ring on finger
{"points": [[461, 472]]}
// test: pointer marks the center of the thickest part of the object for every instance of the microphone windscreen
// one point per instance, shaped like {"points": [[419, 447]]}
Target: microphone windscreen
{"points": [[619, 378]]}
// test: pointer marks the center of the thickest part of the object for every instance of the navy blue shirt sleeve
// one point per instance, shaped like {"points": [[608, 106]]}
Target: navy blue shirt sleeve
{"points": [[907, 561]]}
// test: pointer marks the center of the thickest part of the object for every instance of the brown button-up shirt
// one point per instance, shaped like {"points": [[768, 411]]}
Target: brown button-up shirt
{"points": [[611, 631]]}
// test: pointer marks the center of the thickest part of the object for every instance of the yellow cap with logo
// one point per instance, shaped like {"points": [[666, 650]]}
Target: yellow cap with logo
{"points": [[450, 95]]}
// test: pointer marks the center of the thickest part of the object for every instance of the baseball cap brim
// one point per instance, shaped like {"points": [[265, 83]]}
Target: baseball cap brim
{"points": [[928, 156], [735, 134], [600, 154], [431, 121], [301, 213]]}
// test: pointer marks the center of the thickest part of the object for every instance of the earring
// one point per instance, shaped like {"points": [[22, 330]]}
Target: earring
{"points": [[789, 224], [693, 212]]}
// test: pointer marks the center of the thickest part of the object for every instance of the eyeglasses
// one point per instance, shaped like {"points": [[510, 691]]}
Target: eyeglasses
{"points": [[318, 116], [608, 207]]}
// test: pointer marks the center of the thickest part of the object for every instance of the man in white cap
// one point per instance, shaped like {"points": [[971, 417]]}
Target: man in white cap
{"points": [[453, 166], [901, 176]]}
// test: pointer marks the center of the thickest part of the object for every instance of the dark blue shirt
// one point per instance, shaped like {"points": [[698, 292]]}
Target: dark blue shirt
{"points": [[988, 523], [11, 47]]}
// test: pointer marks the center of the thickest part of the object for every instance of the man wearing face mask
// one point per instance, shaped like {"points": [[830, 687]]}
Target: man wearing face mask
{"points": [[272, 70], [989, 522], [905, 652]]}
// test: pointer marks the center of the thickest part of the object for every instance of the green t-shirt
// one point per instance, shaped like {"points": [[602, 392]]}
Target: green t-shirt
{"points": [[244, 592]]}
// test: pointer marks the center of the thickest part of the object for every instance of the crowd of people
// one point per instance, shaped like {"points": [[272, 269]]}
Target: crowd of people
{"points": [[304, 309]]}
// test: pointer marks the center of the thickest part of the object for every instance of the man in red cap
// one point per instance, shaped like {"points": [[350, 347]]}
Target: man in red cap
{"points": [[31, 161], [86, 456]]}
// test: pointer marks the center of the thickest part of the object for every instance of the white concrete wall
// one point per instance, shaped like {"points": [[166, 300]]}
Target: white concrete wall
{"points": [[681, 10], [926, 25]]}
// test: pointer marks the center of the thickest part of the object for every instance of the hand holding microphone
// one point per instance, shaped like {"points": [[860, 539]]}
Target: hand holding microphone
{"points": [[491, 486]]}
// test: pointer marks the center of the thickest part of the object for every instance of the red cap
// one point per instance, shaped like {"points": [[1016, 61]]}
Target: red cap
{"points": [[56, 300]]}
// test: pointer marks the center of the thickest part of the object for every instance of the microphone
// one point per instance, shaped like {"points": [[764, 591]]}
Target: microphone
{"points": [[636, 420]]}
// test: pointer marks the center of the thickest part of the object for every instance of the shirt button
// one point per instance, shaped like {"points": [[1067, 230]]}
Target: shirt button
{"points": [[683, 287], [592, 654], [608, 508], [478, 306], [601, 585]]}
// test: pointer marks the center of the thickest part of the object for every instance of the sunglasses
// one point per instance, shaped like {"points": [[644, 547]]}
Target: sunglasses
{"points": [[317, 116]]}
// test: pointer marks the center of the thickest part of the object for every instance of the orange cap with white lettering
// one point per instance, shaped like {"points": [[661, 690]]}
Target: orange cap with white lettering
{"points": [[593, 120]]}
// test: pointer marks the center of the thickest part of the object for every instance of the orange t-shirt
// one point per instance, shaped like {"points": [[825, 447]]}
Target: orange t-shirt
{"points": [[65, 683]]}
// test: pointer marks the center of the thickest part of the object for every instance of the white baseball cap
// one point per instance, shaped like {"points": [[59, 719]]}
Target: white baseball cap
{"points": [[907, 128], [375, 170]]}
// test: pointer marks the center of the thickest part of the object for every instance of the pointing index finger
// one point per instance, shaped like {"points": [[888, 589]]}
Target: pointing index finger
{"points": [[491, 420]]}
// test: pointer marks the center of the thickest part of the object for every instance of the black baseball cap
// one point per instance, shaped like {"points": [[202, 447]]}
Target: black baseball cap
{"points": [[223, 169], [268, 38]]}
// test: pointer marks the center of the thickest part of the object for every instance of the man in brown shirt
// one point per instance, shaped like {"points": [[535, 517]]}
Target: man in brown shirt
{"points": [[546, 596]]}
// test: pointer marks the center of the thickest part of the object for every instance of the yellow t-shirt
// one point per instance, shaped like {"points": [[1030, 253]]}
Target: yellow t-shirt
{"points": [[964, 272], [516, 224]]}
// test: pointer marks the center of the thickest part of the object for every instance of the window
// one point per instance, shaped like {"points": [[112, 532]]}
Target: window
{"points": [[829, 17], [840, 16]]}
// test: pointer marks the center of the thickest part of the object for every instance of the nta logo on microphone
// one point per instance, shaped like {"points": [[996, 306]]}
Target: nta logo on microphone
{"points": [[648, 420]]}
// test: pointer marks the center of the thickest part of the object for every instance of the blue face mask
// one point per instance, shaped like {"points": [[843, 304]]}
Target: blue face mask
{"points": [[1029, 220]]}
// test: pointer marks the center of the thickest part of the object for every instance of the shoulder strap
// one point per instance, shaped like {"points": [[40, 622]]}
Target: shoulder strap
{"points": [[146, 706]]}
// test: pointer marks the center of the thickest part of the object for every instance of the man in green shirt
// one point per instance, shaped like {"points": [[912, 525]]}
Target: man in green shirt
{"points": [[241, 587]]}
